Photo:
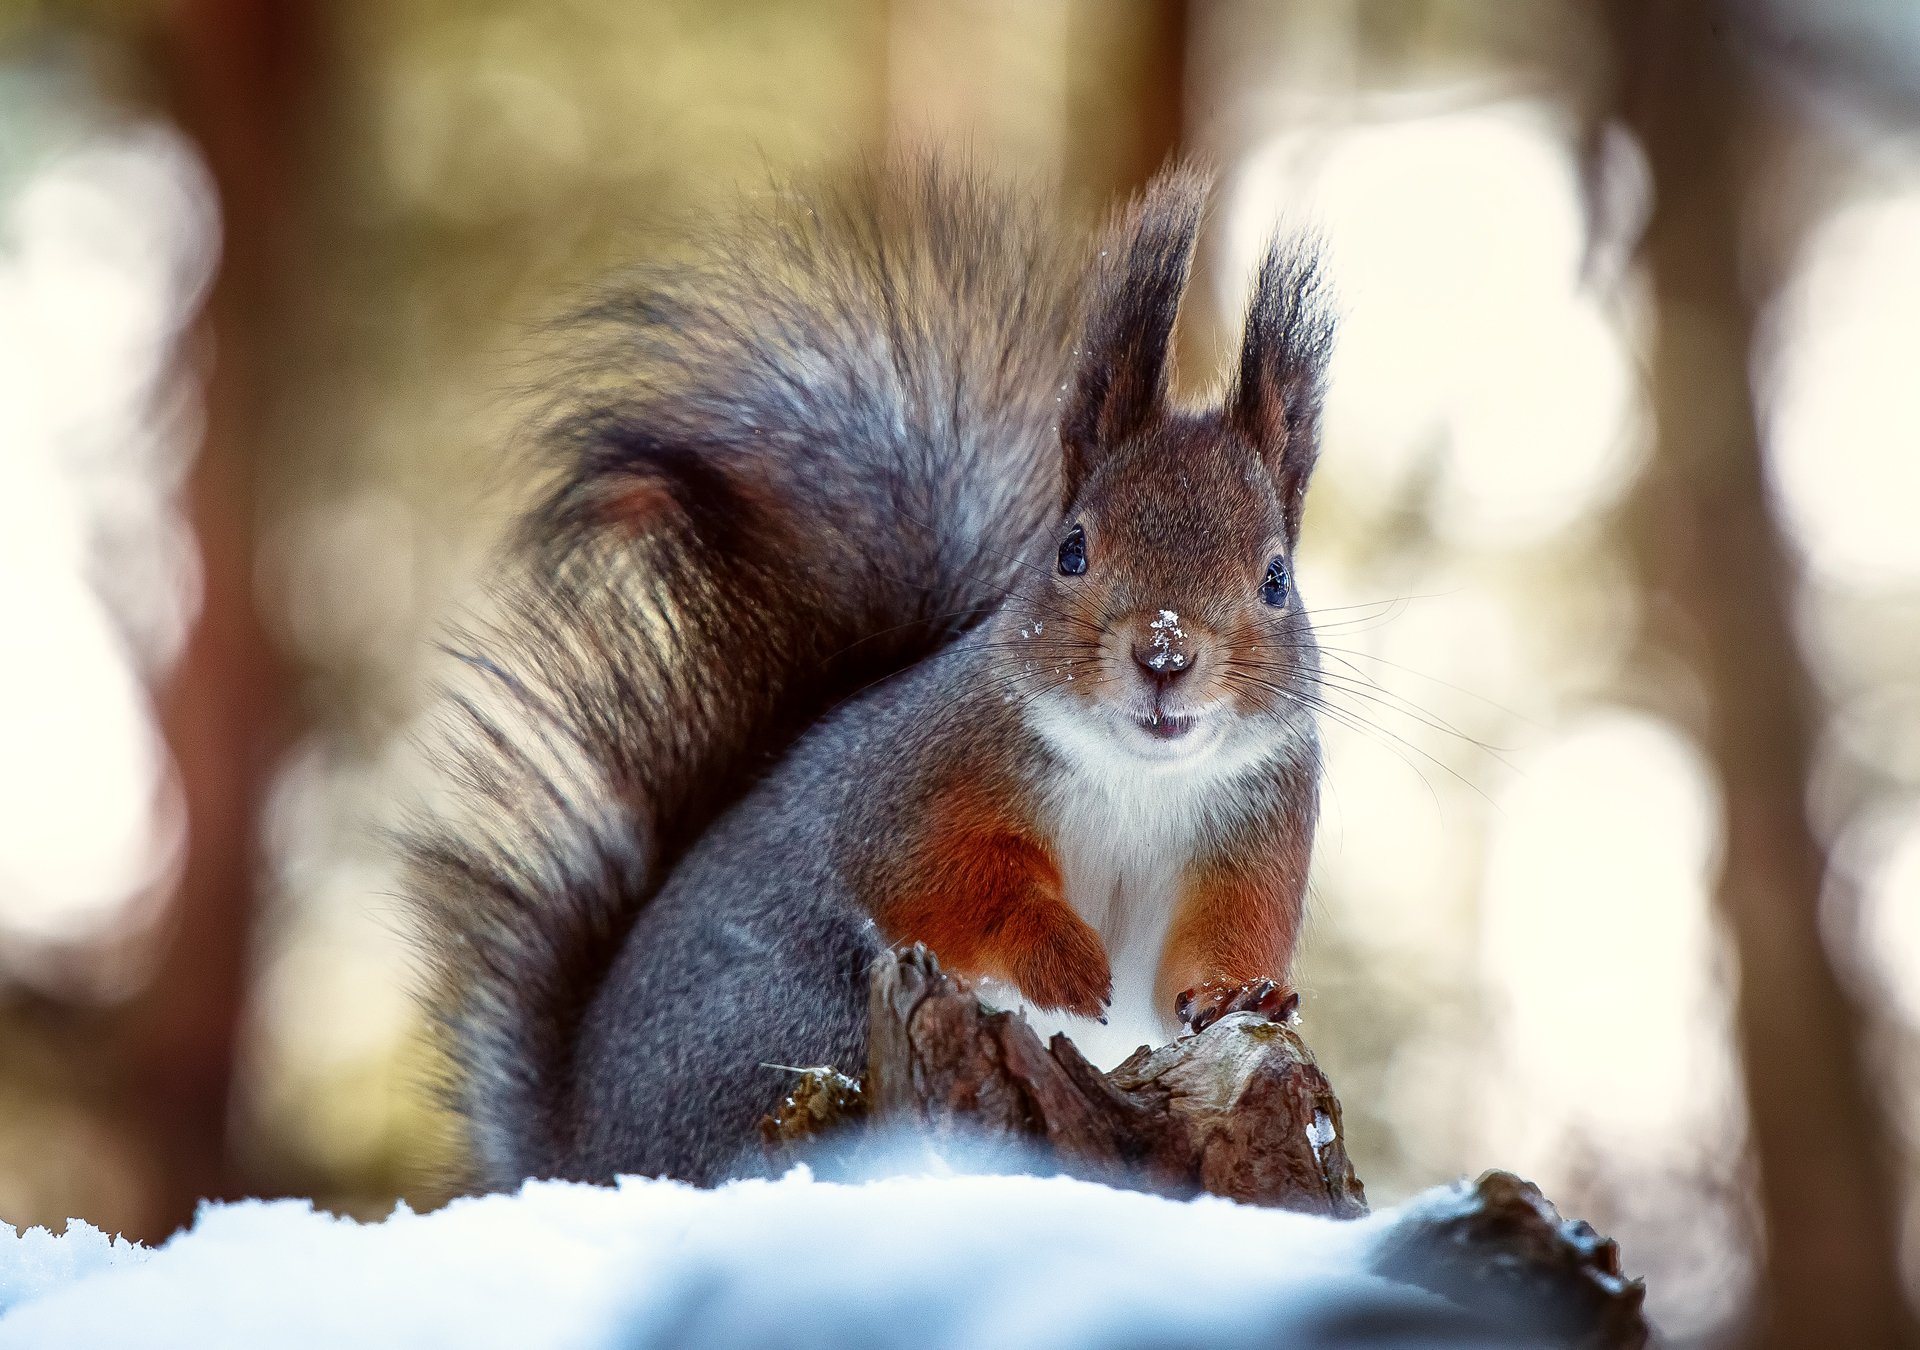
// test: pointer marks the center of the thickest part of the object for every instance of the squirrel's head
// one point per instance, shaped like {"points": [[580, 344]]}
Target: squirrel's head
{"points": [[1169, 621]]}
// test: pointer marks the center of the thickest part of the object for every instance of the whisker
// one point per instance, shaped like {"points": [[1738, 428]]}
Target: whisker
{"points": [[1357, 722], [1340, 717], [1392, 702], [1432, 679], [1401, 600], [1354, 676]]}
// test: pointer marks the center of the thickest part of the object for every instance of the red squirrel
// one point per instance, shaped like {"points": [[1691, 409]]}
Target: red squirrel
{"points": [[881, 595]]}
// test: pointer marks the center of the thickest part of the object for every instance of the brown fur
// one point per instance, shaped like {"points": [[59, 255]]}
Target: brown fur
{"points": [[983, 891]]}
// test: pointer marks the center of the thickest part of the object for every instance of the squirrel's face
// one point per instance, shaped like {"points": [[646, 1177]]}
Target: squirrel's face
{"points": [[1167, 621]]}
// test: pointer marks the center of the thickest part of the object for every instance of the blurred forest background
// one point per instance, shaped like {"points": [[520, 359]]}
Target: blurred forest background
{"points": [[1619, 885]]}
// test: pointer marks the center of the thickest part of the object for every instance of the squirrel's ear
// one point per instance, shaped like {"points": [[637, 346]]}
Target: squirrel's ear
{"points": [[1283, 362], [1123, 365]]}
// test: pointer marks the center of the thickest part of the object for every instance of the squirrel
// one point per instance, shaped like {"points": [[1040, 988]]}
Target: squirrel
{"points": [[882, 595]]}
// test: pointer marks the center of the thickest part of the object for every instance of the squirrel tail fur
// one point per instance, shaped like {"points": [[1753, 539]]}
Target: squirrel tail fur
{"points": [[795, 462]]}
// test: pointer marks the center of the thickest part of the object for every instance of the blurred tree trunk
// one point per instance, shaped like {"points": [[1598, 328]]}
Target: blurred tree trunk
{"points": [[237, 71], [1127, 104], [1087, 95], [1718, 562]]}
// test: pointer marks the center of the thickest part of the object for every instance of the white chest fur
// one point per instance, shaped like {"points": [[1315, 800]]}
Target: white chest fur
{"points": [[1124, 830]]}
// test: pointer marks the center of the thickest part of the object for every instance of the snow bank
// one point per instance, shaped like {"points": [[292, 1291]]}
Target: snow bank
{"points": [[947, 1261], [35, 1263]]}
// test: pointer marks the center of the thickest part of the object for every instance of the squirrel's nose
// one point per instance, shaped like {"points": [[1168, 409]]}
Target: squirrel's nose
{"points": [[1163, 664], [1162, 649]]}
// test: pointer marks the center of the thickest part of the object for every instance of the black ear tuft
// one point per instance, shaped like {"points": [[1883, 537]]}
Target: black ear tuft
{"points": [[1123, 360], [1283, 367]]}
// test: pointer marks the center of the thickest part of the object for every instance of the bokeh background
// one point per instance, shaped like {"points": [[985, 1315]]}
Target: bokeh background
{"points": [[1615, 544]]}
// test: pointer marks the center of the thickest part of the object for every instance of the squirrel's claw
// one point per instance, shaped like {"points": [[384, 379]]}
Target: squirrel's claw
{"points": [[1201, 1006]]}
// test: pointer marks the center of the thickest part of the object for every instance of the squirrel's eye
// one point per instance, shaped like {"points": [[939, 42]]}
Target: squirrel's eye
{"points": [[1073, 553], [1275, 589]]}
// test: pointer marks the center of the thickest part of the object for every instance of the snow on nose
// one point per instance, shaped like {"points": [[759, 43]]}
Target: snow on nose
{"points": [[1166, 653]]}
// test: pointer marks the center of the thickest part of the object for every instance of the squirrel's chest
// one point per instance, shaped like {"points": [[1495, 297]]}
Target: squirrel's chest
{"points": [[1121, 859], [1123, 848]]}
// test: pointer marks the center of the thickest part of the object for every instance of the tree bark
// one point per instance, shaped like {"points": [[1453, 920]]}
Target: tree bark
{"points": [[1242, 1112]]}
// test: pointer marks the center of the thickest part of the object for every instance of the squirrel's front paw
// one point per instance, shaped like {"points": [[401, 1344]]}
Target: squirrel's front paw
{"points": [[1067, 971], [1204, 1004]]}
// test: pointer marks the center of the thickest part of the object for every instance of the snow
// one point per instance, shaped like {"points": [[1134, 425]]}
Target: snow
{"points": [[1320, 1133], [1166, 628], [34, 1263], [922, 1261]]}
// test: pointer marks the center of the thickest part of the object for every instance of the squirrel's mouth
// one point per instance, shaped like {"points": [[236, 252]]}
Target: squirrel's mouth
{"points": [[1166, 726]]}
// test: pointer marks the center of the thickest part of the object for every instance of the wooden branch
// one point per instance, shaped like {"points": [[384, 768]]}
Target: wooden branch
{"points": [[1240, 1111], [1499, 1248]]}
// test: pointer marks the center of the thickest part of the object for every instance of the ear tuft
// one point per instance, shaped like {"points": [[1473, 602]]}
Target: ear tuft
{"points": [[1283, 367], [1124, 365]]}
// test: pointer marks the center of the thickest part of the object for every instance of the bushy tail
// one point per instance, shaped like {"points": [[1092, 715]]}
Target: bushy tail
{"points": [[789, 465]]}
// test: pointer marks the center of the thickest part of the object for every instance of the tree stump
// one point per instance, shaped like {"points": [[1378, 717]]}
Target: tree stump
{"points": [[1240, 1111]]}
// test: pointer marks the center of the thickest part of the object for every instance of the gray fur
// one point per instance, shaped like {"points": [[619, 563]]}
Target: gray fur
{"points": [[790, 465]]}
